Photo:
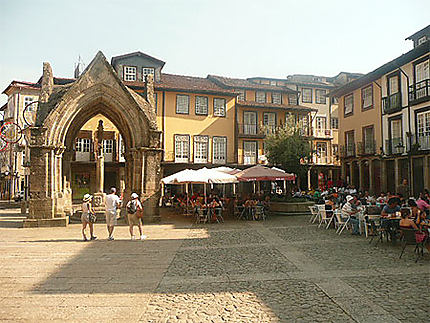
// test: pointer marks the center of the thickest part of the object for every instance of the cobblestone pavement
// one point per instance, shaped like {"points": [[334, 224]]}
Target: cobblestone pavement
{"points": [[281, 270]]}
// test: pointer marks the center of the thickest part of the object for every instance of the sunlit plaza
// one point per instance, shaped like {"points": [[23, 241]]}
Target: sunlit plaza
{"points": [[284, 269]]}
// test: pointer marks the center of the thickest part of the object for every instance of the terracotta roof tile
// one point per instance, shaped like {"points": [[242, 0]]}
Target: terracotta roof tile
{"points": [[274, 105], [246, 84], [186, 84]]}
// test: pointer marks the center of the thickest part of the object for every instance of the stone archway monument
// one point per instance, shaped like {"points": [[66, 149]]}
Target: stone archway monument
{"points": [[61, 113]]}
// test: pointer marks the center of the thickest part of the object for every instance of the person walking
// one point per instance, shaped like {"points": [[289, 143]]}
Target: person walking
{"points": [[134, 209], [113, 202], [87, 214]]}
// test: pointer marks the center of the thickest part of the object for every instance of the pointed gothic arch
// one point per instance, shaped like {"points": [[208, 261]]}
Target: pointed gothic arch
{"points": [[63, 111]]}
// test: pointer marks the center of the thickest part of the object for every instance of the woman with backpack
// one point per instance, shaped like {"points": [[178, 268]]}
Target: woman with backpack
{"points": [[134, 214], [87, 217]]}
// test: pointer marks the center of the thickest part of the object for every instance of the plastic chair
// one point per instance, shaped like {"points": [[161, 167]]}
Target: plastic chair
{"points": [[341, 223], [314, 213], [323, 216]]}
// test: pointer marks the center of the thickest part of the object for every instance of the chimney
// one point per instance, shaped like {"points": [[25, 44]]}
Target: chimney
{"points": [[47, 83]]}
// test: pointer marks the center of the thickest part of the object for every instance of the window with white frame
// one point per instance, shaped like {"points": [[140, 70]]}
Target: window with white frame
{"points": [[201, 145], [250, 122], [306, 95], [292, 99], [334, 123], [108, 149], [320, 123], [241, 96], [393, 84], [83, 145], [320, 96], [147, 71], [182, 104], [276, 98], [269, 121], [367, 98], [423, 125], [219, 148], [303, 123], [249, 152], [273, 83], [260, 96], [108, 146], [348, 104], [422, 40], [182, 148], [322, 150], [27, 103], [422, 75], [201, 105], [130, 73], [219, 107]]}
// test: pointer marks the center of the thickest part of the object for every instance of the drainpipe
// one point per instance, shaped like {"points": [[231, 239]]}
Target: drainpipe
{"points": [[409, 131]]}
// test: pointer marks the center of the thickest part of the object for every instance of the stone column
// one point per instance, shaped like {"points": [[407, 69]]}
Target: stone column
{"points": [[152, 177], [99, 195], [351, 174], [100, 173], [371, 179], [309, 179], [384, 184], [43, 195], [426, 171], [360, 175], [396, 174]]}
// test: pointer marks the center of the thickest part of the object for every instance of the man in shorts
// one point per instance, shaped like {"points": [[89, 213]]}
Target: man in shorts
{"points": [[113, 202]]}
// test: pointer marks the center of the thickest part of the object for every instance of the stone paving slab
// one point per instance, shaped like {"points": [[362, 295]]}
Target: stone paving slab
{"points": [[281, 270]]}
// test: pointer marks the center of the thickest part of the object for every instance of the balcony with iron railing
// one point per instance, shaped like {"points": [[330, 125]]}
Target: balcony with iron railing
{"points": [[255, 130], [322, 133], [368, 147], [420, 142], [394, 146], [347, 150], [419, 92], [323, 160], [392, 103]]}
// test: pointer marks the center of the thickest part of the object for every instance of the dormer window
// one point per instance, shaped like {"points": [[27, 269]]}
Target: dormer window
{"points": [[129, 73], [147, 71], [422, 40]]}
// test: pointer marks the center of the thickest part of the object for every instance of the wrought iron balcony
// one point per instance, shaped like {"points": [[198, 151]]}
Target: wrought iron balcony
{"points": [[367, 147], [420, 142], [322, 133], [255, 130], [394, 146], [419, 92], [392, 103], [350, 149]]}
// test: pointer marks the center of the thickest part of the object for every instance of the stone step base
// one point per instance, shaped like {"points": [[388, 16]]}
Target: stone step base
{"points": [[39, 223]]}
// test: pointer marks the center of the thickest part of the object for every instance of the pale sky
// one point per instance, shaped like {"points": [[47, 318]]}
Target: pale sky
{"points": [[243, 38]]}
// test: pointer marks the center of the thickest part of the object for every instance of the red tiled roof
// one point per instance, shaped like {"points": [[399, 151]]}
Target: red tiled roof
{"points": [[24, 84], [185, 83], [274, 105], [247, 84]]}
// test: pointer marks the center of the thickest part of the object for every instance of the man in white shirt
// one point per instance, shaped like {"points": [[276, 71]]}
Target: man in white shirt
{"points": [[348, 210], [112, 203]]}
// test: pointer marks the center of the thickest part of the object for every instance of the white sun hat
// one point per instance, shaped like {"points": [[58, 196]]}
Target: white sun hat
{"points": [[134, 196]]}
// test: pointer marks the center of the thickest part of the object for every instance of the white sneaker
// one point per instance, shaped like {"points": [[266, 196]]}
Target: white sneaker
{"points": [[143, 237], [133, 237]]}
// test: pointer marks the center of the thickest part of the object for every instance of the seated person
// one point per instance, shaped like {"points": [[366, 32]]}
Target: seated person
{"points": [[388, 213], [348, 210], [405, 221]]}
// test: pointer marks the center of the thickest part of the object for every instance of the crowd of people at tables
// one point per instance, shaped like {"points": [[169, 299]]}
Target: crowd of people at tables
{"points": [[397, 210], [242, 204]]}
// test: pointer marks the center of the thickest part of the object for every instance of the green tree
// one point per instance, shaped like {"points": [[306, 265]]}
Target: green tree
{"points": [[289, 148]]}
